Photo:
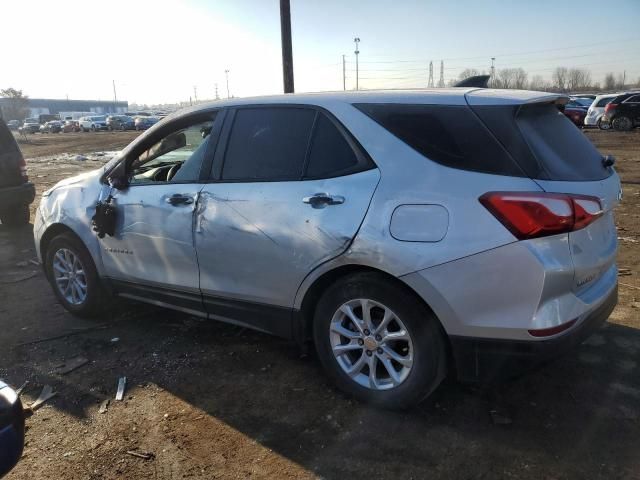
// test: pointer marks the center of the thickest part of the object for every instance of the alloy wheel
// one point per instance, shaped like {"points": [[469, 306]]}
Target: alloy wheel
{"points": [[69, 276], [371, 344]]}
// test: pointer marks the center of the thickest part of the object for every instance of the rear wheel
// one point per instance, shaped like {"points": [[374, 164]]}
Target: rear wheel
{"points": [[623, 124], [73, 276], [378, 342], [15, 217]]}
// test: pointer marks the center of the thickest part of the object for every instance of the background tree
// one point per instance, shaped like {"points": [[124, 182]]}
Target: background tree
{"points": [[578, 79], [559, 78], [519, 78], [466, 73], [17, 108], [538, 83], [609, 81]]}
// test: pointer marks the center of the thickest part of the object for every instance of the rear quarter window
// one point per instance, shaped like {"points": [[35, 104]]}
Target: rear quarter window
{"points": [[449, 135]]}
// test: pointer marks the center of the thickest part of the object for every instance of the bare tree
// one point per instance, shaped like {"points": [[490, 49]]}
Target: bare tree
{"points": [[620, 81], [538, 83], [466, 73], [609, 81], [578, 79], [17, 108], [519, 78], [559, 78]]}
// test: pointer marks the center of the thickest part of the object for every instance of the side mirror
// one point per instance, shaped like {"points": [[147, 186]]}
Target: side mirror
{"points": [[11, 429], [118, 177]]}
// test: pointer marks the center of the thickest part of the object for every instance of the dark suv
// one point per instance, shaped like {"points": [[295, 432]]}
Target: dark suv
{"points": [[16, 192], [120, 122], [623, 112]]}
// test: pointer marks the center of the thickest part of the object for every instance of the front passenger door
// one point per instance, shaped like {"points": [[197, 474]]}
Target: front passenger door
{"points": [[152, 253]]}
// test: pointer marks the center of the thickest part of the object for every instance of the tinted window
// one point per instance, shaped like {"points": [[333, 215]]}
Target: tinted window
{"points": [[559, 147], [450, 135], [331, 154], [634, 99], [604, 101], [268, 144]]}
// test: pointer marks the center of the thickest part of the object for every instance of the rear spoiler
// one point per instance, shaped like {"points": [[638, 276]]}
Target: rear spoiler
{"points": [[477, 81]]}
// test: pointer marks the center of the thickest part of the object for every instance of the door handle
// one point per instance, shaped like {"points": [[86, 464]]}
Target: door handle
{"points": [[178, 199], [321, 200]]}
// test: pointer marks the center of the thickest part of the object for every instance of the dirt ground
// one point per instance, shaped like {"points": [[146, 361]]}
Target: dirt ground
{"points": [[208, 400]]}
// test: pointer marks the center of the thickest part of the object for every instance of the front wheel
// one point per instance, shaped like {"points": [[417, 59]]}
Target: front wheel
{"points": [[378, 342], [16, 216], [73, 276]]}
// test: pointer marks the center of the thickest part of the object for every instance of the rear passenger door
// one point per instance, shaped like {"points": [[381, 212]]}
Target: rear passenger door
{"points": [[288, 191], [632, 105]]}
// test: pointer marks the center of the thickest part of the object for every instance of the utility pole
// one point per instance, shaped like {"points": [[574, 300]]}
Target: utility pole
{"points": [[217, 96], [226, 72], [441, 81], [357, 52], [195, 93], [430, 83], [344, 73], [115, 97], [287, 50], [493, 72]]}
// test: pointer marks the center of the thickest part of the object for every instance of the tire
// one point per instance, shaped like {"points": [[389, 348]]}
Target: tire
{"points": [[622, 124], [423, 353], [93, 128], [16, 217], [69, 247]]}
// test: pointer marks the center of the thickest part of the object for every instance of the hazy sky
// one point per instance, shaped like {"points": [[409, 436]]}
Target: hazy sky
{"points": [[157, 51]]}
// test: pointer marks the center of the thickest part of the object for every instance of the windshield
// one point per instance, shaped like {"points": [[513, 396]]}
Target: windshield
{"points": [[31, 120], [98, 119]]}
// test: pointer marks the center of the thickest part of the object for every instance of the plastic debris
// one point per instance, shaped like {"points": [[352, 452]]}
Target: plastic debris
{"points": [[71, 365], [144, 456], [104, 406], [46, 394], [122, 383]]}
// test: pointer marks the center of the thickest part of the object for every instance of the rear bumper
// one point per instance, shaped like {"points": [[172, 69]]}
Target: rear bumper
{"points": [[483, 359], [15, 196]]}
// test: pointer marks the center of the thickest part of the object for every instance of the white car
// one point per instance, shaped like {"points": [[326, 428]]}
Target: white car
{"points": [[93, 123], [596, 110]]}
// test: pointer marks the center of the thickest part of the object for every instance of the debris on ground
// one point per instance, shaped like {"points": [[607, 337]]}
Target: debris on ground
{"points": [[145, 456], [104, 406], [499, 418], [71, 365], [122, 383], [15, 277], [46, 394], [22, 387], [23, 263], [622, 272]]}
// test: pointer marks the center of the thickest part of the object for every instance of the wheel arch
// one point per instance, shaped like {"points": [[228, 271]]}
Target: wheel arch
{"points": [[51, 232], [303, 324]]}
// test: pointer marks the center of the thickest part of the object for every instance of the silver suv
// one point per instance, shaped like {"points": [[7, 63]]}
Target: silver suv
{"points": [[409, 235]]}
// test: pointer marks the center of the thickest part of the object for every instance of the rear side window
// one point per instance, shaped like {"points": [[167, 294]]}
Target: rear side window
{"points": [[561, 149], [268, 144], [331, 154], [449, 135], [603, 102], [634, 99]]}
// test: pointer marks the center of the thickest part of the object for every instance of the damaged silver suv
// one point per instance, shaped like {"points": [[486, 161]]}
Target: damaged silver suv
{"points": [[407, 234]]}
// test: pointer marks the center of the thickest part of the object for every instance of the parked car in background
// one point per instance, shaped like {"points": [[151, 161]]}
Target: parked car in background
{"points": [[54, 126], [93, 123], [30, 125], [13, 125], [71, 126], [142, 123], [120, 122], [16, 192], [596, 110], [582, 101], [407, 234], [576, 112], [623, 112]]}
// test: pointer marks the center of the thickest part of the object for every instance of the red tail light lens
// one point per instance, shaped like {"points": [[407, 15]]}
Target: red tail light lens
{"points": [[610, 106], [531, 215]]}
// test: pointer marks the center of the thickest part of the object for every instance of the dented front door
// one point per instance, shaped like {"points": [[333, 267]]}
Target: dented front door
{"points": [[257, 241]]}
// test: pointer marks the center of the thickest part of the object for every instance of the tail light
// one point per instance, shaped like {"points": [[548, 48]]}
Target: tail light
{"points": [[610, 107], [531, 215]]}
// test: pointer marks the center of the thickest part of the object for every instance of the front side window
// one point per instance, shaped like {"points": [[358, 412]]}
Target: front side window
{"points": [[176, 158], [268, 144]]}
